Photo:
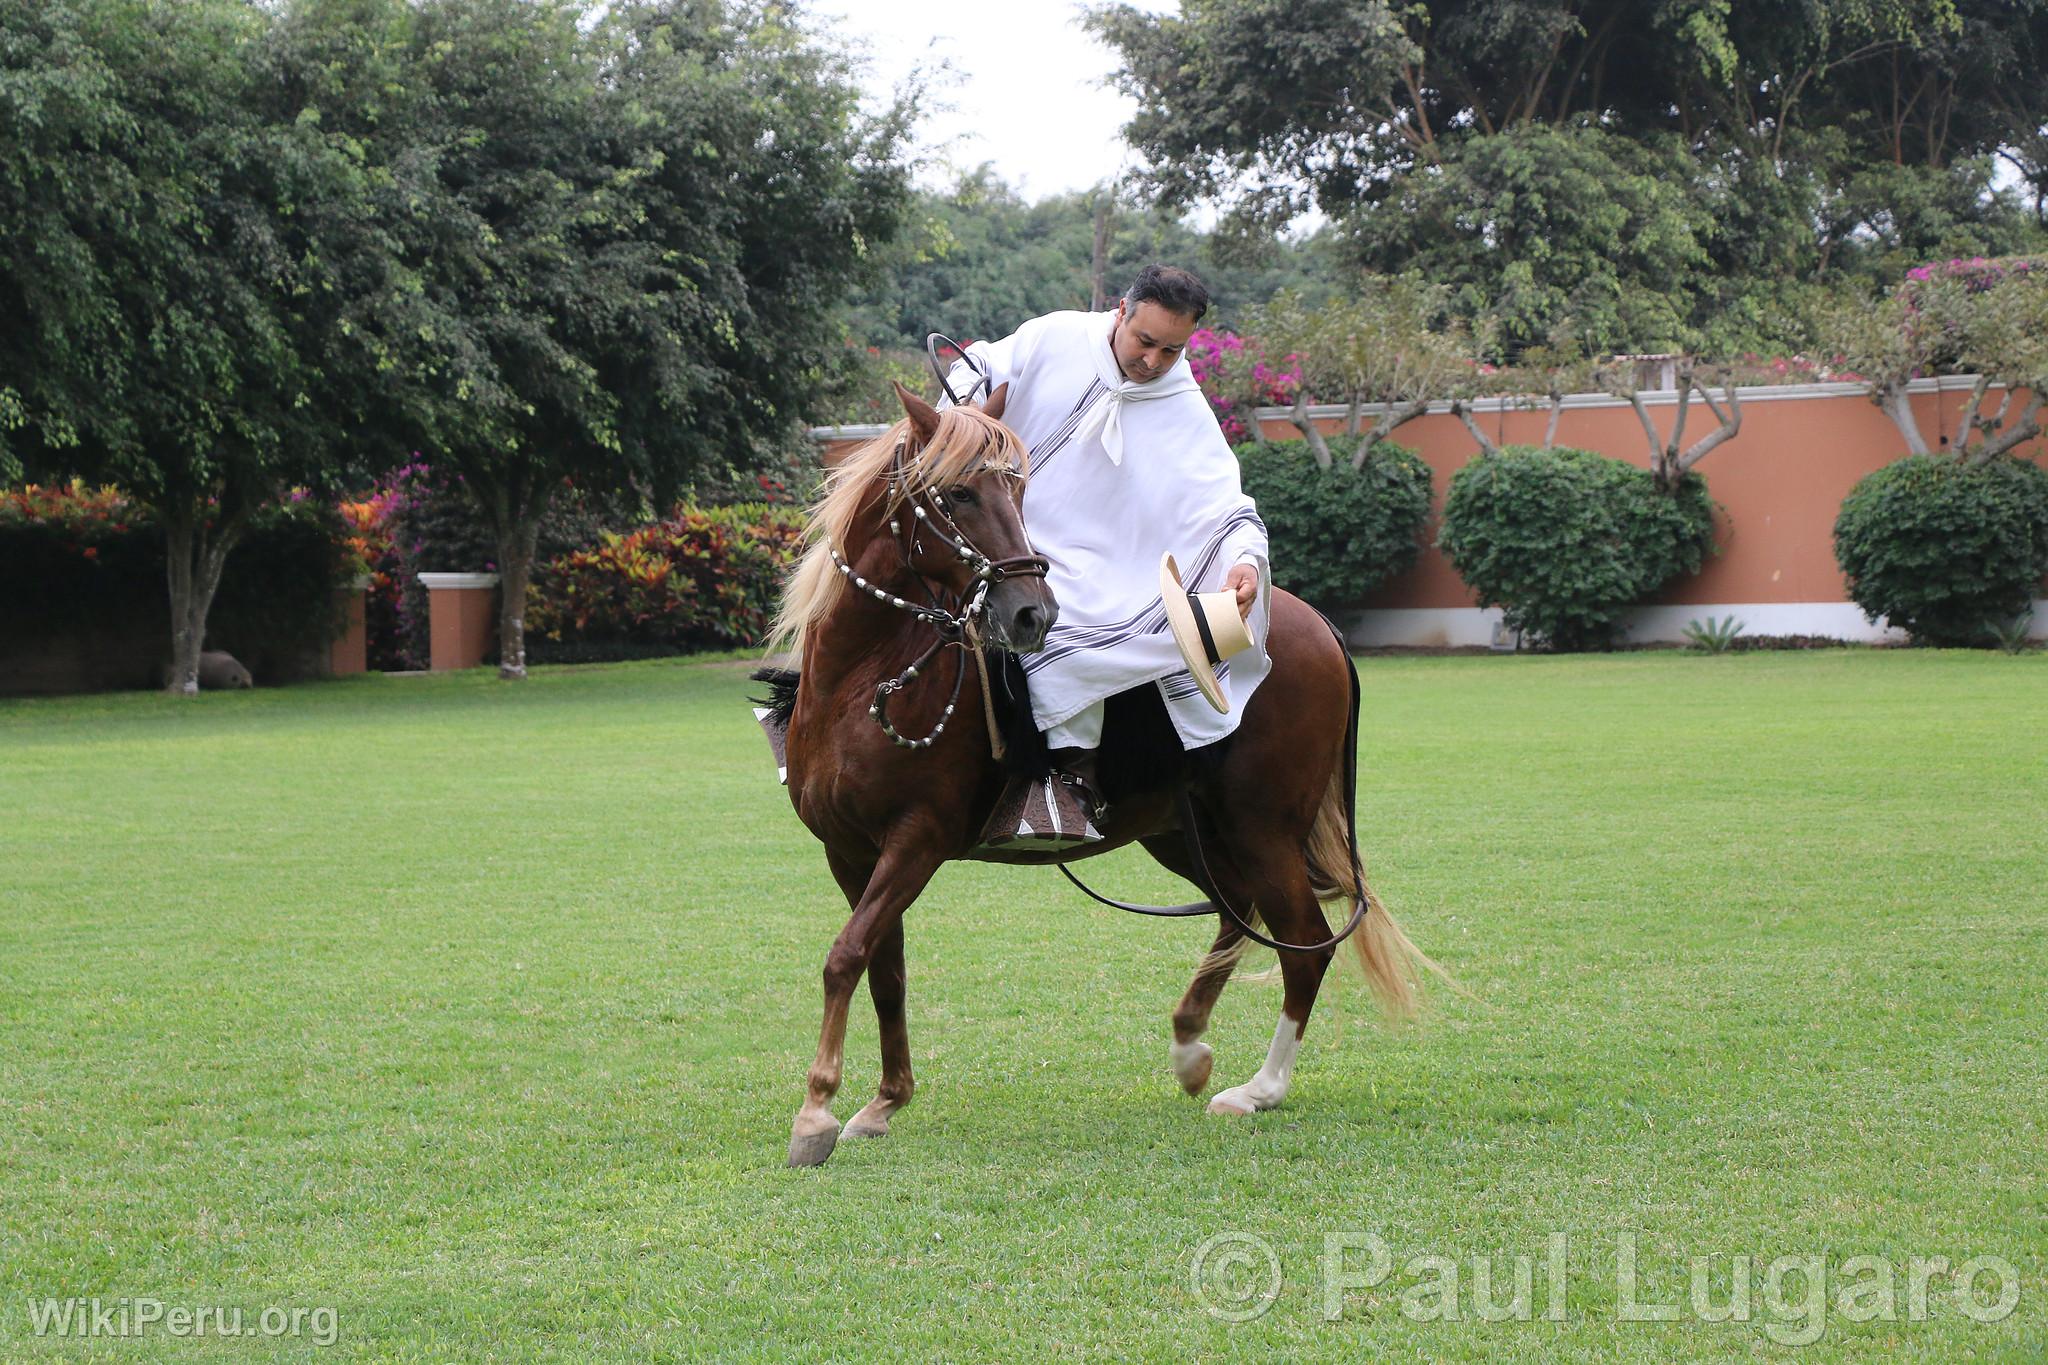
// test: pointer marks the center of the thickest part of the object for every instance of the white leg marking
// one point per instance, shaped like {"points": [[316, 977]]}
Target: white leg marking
{"points": [[1269, 1087], [1191, 1063]]}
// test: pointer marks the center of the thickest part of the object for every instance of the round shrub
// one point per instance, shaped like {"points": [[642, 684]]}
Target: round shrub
{"points": [[1947, 552], [1337, 533], [1562, 541]]}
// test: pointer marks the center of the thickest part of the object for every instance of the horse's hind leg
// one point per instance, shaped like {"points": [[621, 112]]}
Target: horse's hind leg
{"points": [[1191, 1059], [1292, 915], [898, 878], [886, 979]]}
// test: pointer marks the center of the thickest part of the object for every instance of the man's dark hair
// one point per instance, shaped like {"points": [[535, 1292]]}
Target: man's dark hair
{"points": [[1175, 290]]}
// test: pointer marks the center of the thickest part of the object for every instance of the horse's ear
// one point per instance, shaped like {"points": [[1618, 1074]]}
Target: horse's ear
{"points": [[924, 418], [996, 401]]}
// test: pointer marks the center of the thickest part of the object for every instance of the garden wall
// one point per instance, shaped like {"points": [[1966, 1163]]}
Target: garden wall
{"points": [[1780, 483]]}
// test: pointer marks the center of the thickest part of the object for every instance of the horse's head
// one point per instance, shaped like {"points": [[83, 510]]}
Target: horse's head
{"points": [[957, 500]]}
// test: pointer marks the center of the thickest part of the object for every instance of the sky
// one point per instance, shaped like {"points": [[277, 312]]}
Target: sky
{"points": [[1027, 89]]}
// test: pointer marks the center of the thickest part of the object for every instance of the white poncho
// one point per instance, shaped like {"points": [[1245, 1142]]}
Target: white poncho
{"points": [[1120, 474]]}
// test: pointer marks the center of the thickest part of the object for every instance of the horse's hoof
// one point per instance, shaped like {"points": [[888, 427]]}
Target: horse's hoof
{"points": [[1234, 1103], [868, 1123], [811, 1149], [1192, 1065]]}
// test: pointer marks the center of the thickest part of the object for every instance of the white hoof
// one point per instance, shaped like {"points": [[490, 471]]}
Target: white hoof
{"points": [[1237, 1100], [871, 1122]]}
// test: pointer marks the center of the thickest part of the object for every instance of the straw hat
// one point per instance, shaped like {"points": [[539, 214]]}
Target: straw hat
{"points": [[1206, 626]]}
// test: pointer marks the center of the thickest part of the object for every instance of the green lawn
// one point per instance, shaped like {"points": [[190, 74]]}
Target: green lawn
{"points": [[477, 1013]]}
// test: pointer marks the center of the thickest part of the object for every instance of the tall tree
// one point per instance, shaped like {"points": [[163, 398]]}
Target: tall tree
{"points": [[1753, 124], [153, 275], [614, 245]]}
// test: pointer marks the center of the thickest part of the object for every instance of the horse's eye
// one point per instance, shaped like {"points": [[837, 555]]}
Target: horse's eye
{"points": [[962, 497]]}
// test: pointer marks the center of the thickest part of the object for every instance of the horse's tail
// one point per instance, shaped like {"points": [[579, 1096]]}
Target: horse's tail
{"points": [[1393, 966]]}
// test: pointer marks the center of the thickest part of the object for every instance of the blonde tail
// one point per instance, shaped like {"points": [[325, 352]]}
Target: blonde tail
{"points": [[1393, 966]]}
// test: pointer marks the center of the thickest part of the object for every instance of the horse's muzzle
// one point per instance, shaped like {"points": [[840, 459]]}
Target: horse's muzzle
{"points": [[1022, 612]]}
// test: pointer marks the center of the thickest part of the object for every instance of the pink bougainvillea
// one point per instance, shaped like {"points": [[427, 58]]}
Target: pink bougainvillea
{"points": [[1237, 378]]}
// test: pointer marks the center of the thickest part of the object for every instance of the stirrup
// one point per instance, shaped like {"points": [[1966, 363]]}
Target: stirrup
{"points": [[1044, 815]]}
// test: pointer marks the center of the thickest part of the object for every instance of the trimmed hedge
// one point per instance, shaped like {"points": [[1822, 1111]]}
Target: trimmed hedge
{"points": [[97, 561], [1947, 552], [1562, 540], [704, 578], [1337, 533]]}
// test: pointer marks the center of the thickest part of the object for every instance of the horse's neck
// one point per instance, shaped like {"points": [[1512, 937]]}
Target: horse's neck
{"points": [[861, 635]]}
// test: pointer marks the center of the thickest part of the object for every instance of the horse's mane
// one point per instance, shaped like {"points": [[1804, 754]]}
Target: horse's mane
{"points": [[966, 440]]}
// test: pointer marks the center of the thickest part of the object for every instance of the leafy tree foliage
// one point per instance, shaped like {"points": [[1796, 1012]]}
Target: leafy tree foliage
{"points": [[155, 275], [979, 260], [1551, 230], [242, 245], [1383, 340], [1648, 176]]}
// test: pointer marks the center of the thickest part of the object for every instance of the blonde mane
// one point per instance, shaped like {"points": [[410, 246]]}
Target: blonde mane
{"points": [[966, 440]]}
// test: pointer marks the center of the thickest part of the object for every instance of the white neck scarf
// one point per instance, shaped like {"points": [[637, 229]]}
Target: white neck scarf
{"points": [[1105, 415]]}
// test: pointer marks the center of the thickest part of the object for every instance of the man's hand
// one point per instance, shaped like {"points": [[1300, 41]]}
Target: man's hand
{"points": [[1243, 580]]}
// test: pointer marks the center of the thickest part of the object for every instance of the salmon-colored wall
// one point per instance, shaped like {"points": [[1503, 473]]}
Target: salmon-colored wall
{"points": [[1780, 482], [460, 621]]}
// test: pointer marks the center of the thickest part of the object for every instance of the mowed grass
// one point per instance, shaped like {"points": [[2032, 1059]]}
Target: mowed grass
{"points": [[478, 1013]]}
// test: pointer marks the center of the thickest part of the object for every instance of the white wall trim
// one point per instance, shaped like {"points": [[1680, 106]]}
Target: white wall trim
{"points": [[1467, 627], [434, 581], [1750, 393]]}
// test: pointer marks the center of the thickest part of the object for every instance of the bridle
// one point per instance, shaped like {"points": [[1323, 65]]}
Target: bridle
{"points": [[961, 628]]}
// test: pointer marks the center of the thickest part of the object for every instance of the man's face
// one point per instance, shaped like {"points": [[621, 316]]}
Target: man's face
{"points": [[1147, 339]]}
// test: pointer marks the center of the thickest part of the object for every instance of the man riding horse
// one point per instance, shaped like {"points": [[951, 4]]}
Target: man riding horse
{"points": [[1127, 465], [921, 586]]}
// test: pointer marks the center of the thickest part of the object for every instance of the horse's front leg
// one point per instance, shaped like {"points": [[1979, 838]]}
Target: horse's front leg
{"points": [[886, 982], [900, 875]]}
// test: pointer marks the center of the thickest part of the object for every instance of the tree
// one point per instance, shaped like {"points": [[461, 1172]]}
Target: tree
{"points": [[979, 260], [1743, 134], [154, 276], [1985, 318], [1988, 318], [617, 243], [1390, 342], [1555, 370], [1539, 226], [1670, 458]]}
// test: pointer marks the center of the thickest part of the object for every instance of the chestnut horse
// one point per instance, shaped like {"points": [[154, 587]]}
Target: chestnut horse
{"points": [[931, 513]]}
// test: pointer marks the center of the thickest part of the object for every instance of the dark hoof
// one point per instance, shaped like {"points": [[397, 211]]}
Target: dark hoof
{"points": [[814, 1149]]}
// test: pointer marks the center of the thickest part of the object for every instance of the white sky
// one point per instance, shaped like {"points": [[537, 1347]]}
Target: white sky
{"points": [[1026, 88]]}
